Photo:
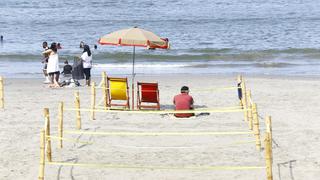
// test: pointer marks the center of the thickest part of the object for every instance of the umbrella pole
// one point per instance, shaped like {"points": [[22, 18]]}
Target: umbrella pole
{"points": [[133, 74]]}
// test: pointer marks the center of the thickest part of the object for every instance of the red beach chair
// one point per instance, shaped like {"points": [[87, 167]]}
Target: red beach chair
{"points": [[148, 96]]}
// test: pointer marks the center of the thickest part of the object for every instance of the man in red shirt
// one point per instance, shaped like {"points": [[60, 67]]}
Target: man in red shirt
{"points": [[183, 101]]}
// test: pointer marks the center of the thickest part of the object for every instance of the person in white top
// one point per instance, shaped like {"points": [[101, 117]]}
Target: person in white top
{"points": [[53, 65], [87, 63]]}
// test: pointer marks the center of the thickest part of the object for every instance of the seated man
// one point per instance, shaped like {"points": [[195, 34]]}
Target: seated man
{"points": [[183, 101], [67, 69]]}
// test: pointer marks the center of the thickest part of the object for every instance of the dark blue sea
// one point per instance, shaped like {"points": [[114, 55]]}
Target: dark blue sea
{"points": [[263, 37]]}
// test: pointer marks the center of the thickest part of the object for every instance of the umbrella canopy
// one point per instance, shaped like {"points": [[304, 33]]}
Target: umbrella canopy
{"points": [[134, 37]]}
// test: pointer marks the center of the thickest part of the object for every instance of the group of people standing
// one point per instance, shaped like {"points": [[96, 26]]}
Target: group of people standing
{"points": [[51, 67]]}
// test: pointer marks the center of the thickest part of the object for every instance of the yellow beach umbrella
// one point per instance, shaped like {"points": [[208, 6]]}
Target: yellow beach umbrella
{"points": [[134, 37]]}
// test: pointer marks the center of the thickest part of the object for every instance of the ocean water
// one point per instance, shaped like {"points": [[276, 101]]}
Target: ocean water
{"points": [[276, 37]]}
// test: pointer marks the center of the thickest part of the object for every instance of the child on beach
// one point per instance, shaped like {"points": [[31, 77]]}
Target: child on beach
{"points": [[67, 69]]}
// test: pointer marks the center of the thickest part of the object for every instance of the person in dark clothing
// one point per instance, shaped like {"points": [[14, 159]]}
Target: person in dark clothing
{"points": [[239, 90], [67, 69], [77, 69]]}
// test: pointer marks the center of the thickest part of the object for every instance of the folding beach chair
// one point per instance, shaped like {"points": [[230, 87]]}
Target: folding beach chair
{"points": [[117, 89], [148, 96]]}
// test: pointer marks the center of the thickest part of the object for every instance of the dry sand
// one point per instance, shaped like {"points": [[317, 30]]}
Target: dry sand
{"points": [[292, 102]]}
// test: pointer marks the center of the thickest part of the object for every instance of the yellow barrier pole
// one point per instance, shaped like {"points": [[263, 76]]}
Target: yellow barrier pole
{"points": [[104, 90], [249, 114], [244, 99], [42, 155], [242, 92], [93, 99], [78, 115], [47, 123], [239, 79], [268, 125], [60, 124], [256, 129], [268, 146], [1, 93], [269, 128]]}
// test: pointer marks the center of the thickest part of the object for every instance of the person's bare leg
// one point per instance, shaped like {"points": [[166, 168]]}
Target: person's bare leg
{"points": [[51, 78], [47, 80], [56, 80], [45, 72], [88, 82]]}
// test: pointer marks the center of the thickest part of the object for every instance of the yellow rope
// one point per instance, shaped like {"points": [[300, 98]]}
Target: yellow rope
{"points": [[100, 107], [69, 140], [116, 166], [223, 108], [159, 133], [210, 89], [161, 111], [237, 143], [217, 89]]}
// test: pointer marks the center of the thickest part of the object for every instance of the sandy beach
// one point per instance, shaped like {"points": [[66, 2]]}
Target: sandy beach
{"points": [[200, 44], [292, 102]]}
